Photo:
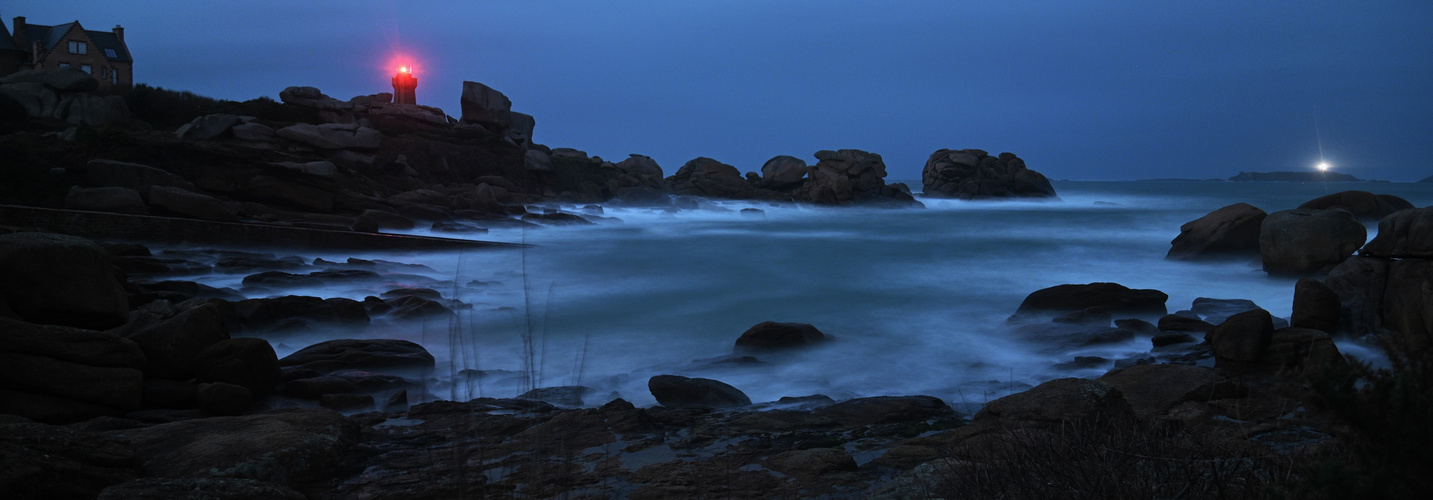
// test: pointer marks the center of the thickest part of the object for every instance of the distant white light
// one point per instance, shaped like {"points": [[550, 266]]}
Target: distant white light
{"points": [[1323, 166]]}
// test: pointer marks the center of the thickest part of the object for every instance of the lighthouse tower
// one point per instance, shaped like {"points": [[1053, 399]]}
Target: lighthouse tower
{"points": [[405, 86]]}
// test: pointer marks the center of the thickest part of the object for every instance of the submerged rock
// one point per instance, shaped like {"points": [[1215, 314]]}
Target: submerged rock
{"points": [[774, 336]]}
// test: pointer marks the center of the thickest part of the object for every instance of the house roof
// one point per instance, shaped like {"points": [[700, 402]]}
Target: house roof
{"points": [[51, 36], [7, 42]]}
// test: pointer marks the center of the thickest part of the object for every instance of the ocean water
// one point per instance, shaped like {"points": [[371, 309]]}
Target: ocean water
{"points": [[915, 299]]}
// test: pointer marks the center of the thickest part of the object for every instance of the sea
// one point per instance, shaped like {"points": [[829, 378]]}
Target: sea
{"points": [[915, 301]]}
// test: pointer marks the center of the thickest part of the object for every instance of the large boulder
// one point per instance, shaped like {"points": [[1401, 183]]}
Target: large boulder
{"points": [[61, 374], [352, 354], [707, 177], [520, 127], [105, 199], [310, 97], [1303, 350], [1362, 204], [71, 79], [1308, 241], [783, 171], [191, 204], [172, 345], [1115, 298], [850, 177], [38, 100], [773, 336], [102, 172], [1229, 232], [974, 174], [93, 110], [641, 166], [1360, 283], [207, 127], [247, 362], [75, 345], [60, 280], [1316, 306], [1407, 234], [115, 387], [485, 106], [537, 161], [1243, 337], [675, 391]]}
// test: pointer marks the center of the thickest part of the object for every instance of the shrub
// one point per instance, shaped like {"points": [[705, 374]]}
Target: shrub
{"points": [[1391, 413]]}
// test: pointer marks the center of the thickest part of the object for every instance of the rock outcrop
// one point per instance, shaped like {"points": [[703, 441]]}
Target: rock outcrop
{"points": [[63, 95], [1230, 232], [1308, 241], [707, 177], [973, 174], [486, 106], [1111, 297], [60, 280], [1366, 206], [1387, 286], [675, 391], [850, 177], [774, 336]]}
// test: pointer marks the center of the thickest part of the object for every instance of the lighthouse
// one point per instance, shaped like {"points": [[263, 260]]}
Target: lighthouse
{"points": [[405, 86]]}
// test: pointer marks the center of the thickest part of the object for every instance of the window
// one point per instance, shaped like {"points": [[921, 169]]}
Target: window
{"points": [[87, 69], [79, 47], [114, 77], [64, 65], [104, 72], [110, 53]]}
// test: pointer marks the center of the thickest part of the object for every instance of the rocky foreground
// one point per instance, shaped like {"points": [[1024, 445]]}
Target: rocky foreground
{"points": [[124, 385]]}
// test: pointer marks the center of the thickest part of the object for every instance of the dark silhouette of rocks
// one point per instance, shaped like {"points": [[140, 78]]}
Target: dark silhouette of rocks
{"points": [[1308, 241], [1227, 233], [774, 336], [973, 174], [1366, 206], [675, 391], [1385, 288]]}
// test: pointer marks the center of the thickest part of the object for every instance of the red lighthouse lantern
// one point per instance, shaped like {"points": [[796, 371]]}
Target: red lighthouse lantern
{"points": [[405, 87]]}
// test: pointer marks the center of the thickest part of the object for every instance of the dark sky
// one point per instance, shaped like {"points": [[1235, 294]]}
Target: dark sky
{"points": [[1081, 90]]}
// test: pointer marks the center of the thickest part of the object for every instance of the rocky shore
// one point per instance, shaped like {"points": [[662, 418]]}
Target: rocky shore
{"points": [[123, 375]]}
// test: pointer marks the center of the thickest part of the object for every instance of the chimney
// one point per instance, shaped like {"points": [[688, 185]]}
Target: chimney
{"points": [[119, 33], [19, 32]]}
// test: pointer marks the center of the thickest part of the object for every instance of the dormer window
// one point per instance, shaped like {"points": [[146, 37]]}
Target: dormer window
{"points": [[79, 48], [110, 53]]}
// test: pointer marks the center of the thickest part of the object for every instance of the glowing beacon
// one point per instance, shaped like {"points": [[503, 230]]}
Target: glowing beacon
{"points": [[405, 87]]}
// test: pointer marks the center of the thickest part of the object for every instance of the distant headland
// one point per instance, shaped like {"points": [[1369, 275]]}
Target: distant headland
{"points": [[1295, 177]]}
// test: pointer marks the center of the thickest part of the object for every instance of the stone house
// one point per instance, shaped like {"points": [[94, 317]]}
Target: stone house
{"points": [[99, 53]]}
